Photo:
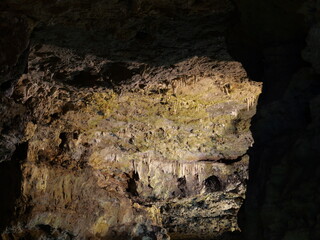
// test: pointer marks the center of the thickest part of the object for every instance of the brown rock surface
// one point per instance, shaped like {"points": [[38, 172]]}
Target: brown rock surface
{"points": [[136, 122]]}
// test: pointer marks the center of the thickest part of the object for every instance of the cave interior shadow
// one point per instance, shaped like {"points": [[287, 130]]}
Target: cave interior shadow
{"points": [[10, 184]]}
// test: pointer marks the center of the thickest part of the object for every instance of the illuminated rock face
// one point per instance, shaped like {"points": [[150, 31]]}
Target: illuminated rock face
{"points": [[143, 138]]}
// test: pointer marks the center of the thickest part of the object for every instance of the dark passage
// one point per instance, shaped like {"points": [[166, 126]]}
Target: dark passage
{"points": [[270, 42]]}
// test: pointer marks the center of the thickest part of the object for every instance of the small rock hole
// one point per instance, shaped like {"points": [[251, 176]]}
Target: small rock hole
{"points": [[212, 184]]}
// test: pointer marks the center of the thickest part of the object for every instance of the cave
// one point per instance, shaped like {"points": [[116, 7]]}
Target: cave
{"points": [[154, 120]]}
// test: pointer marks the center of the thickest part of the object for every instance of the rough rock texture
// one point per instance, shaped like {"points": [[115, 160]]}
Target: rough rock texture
{"points": [[128, 125], [128, 122]]}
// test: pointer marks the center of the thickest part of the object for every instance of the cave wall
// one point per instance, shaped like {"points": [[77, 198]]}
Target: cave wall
{"points": [[133, 116], [86, 59]]}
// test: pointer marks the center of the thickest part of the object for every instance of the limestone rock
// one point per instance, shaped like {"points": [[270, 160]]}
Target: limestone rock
{"points": [[136, 133]]}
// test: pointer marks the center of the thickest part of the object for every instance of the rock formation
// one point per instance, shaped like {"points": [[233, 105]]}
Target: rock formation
{"points": [[131, 119], [122, 120]]}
